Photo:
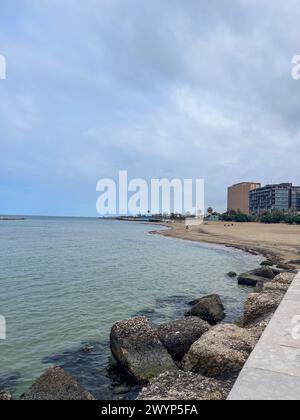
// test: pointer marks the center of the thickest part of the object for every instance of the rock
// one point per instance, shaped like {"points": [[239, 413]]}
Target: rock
{"points": [[294, 262], [267, 263], [222, 351], [232, 274], [5, 396], [253, 277], [276, 286], [178, 336], [138, 349], [186, 386], [259, 305], [87, 349], [251, 280], [276, 271], [265, 272], [193, 302], [284, 266], [209, 308], [259, 287], [56, 385], [257, 329], [284, 278]]}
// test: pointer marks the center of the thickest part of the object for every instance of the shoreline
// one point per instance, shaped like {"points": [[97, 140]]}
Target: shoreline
{"points": [[198, 234], [280, 249], [89, 349]]}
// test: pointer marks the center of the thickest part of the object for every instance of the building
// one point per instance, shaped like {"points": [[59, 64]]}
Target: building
{"points": [[274, 197], [238, 196]]}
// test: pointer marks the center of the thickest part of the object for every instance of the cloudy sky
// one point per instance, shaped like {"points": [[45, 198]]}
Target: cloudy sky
{"points": [[181, 88]]}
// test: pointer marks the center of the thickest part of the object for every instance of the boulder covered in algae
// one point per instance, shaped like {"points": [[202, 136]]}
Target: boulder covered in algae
{"points": [[220, 352], [178, 336], [186, 386], [54, 385], [138, 349]]}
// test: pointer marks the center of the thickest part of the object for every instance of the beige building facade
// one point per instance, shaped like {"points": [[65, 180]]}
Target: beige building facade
{"points": [[238, 196]]}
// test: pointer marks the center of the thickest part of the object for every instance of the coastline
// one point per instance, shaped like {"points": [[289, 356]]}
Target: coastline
{"points": [[196, 234], [275, 242], [163, 306]]}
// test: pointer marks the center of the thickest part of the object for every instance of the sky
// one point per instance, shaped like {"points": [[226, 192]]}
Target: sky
{"points": [[175, 89]]}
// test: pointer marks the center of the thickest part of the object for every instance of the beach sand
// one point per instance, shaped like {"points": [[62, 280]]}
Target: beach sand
{"points": [[280, 242]]}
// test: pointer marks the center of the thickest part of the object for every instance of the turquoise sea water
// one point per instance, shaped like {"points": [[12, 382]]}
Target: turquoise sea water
{"points": [[65, 281]]}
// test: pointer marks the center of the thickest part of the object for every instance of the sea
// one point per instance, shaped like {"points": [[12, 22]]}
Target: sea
{"points": [[66, 281]]}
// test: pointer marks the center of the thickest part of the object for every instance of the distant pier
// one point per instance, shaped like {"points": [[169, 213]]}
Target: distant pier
{"points": [[10, 219]]}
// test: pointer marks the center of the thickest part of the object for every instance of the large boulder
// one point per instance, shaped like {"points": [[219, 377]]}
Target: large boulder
{"points": [[276, 286], [254, 277], [284, 266], [294, 262], [222, 351], [257, 328], [55, 384], [284, 278], [185, 386], [209, 308], [5, 396], [178, 336], [265, 272], [259, 306], [138, 350], [250, 279]]}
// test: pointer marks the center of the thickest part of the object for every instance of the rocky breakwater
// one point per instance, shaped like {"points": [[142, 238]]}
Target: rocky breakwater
{"points": [[152, 355], [188, 359], [211, 365], [260, 307], [264, 274]]}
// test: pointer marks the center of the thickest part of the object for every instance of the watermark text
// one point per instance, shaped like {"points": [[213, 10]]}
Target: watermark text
{"points": [[296, 67], [2, 67], [2, 328], [296, 327], [157, 196]]}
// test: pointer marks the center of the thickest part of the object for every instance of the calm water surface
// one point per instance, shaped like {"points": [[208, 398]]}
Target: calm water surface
{"points": [[64, 282]]}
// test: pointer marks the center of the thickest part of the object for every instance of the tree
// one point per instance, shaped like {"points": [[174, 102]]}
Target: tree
{"points": [[235, 216]]}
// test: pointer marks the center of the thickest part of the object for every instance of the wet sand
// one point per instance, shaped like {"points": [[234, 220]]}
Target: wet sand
{"points": [[280, 242]]}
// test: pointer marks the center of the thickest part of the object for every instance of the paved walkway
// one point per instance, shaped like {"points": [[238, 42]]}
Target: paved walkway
{"points": [[273, 369]]}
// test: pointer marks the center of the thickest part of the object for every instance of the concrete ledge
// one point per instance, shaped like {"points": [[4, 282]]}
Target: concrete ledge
{"points": [[273, 369]]}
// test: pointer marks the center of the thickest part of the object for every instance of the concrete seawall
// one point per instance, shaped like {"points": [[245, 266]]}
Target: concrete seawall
{"points": [[273, 369]]}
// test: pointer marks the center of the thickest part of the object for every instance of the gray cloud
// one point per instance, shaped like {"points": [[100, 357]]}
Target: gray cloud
{"points": [[181, 88]]}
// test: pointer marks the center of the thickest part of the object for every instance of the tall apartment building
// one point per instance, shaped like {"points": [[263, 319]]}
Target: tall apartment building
{"points": [[238, 196], [274, 197]]}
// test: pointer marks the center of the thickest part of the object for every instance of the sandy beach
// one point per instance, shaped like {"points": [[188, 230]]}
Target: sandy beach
{"points": [[280, 242]]}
